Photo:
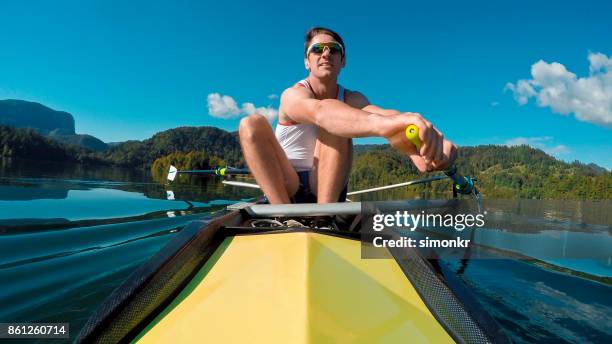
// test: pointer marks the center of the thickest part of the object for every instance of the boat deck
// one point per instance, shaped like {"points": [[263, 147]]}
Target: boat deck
{"points": [[297, 287]]}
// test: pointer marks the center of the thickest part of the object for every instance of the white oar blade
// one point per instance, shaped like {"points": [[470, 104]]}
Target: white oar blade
{"points": [[172, 173]]}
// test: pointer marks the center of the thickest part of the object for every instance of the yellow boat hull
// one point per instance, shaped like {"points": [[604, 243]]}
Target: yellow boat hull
{"points": [[300, 287]]}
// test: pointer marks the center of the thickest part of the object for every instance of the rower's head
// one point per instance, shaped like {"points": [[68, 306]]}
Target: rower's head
{"points": [[324, 52]]}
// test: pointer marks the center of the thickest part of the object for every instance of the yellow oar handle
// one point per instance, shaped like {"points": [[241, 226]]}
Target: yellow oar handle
{"points": [[412, 134], [461, 184]]}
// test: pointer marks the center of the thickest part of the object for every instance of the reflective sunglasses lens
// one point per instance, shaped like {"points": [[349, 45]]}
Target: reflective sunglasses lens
{"points": [[335, 48], [317, 48]]}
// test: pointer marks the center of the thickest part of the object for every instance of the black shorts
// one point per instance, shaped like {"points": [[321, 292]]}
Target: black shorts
{"points": [[305, 195]]}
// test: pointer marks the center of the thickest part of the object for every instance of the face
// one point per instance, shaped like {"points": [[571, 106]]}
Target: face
{"points": [[327, 63]]}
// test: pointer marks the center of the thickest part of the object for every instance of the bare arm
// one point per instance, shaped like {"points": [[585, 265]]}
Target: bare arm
{"points": [[361, 119], [337, 117], [385, 112], [358, 100]]}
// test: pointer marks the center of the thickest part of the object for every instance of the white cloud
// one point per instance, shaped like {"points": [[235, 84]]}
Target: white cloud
{"points": [[268, 112], [557, 150], [222, 106], [494, 104], [273, 96], [589, 98], [226, 107], [598, 62], [522, 91], [532, 141], [540, 142]]}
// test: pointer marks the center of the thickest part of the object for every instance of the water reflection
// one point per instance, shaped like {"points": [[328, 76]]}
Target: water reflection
{"points": [[47, 195], [70, 234]]}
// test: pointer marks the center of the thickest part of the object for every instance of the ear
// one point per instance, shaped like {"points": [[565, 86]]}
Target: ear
{"points": [[306, 64]]}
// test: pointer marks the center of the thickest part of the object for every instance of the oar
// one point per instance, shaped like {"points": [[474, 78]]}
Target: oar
{"points": [[399, 185], [219, 171], [461, 184]]}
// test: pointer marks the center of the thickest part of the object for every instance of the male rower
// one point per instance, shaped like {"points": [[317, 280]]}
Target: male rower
{"points": [[308, 157]]}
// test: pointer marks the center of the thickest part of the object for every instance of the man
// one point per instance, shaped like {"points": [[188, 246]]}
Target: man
{"points": [[308, 157]]}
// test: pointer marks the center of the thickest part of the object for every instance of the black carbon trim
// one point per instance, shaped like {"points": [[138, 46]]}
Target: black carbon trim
{"points": [[154, 285], [464, 324]]}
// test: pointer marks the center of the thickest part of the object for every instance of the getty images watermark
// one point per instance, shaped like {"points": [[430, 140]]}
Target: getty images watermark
{"points": [[430, 225], [410, 221]]}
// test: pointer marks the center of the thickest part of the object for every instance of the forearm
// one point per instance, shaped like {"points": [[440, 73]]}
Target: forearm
{"points": [[385, 112], [343, 120]]}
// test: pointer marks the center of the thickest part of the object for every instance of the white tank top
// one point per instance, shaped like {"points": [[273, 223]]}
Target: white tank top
{"points": [[298, 139]]}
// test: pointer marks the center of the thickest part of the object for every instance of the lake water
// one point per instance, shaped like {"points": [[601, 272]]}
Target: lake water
{"points": [[69, 235]]}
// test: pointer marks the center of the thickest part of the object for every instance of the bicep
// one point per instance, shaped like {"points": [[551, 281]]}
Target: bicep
{"points": [[357, 100]]}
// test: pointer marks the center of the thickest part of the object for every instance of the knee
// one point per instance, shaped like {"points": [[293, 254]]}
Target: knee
{"points": [[251, 126]]}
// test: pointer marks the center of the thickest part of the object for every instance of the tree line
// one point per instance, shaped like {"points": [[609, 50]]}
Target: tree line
{"points": [[501, 171]]}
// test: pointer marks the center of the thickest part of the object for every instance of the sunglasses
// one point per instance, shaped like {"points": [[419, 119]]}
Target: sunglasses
{"points": [[319, 48]]}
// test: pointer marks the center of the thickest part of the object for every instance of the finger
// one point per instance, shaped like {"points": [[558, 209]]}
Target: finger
{"points": [[426, 151], [416, 119], [440, 151], [399, 142], [453, 153], [450, 154], [419, 162], [435, 142], [425, 136]]}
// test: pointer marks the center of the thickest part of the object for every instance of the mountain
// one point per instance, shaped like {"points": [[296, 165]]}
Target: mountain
{"points": [[82, 140], [213, 141], [56, 125], [501, 172], [29, 144], [24, 114]]}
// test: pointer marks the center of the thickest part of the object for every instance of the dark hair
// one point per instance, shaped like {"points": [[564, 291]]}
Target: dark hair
{"points": [[310, 34]]}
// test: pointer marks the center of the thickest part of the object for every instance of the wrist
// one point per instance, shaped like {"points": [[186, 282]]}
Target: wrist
{"points": [[376, 125], [382, 125]]}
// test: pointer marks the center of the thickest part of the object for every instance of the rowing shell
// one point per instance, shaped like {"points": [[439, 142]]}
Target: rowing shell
{"points": [[253, 276]]}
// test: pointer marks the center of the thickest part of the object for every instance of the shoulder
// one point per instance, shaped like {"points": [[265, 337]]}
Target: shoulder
{"points": [[290, 101], [296, 91], [356, 99]]}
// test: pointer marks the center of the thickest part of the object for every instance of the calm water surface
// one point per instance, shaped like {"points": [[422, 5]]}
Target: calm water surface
{"points": [[69, 235]]}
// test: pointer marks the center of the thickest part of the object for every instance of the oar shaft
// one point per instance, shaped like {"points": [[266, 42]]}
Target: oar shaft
{"points": [[197, 171], [219, 171], [222, 171], [386, 187]]}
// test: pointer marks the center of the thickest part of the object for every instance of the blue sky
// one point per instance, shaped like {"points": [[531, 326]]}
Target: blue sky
{"points": [[126, 70]]}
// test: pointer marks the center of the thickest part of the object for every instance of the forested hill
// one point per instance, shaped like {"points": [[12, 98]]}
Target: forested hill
{"points": [[501, 172], [213, 141], [53, 124], [29, 144], [23, 114]]}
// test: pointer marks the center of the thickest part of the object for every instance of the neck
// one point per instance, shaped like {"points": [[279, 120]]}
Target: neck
{"points": [[323, 88]]}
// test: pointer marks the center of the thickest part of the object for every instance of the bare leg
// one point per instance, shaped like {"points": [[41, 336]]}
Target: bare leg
{"points": [[332, 164], [266, 159]]}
